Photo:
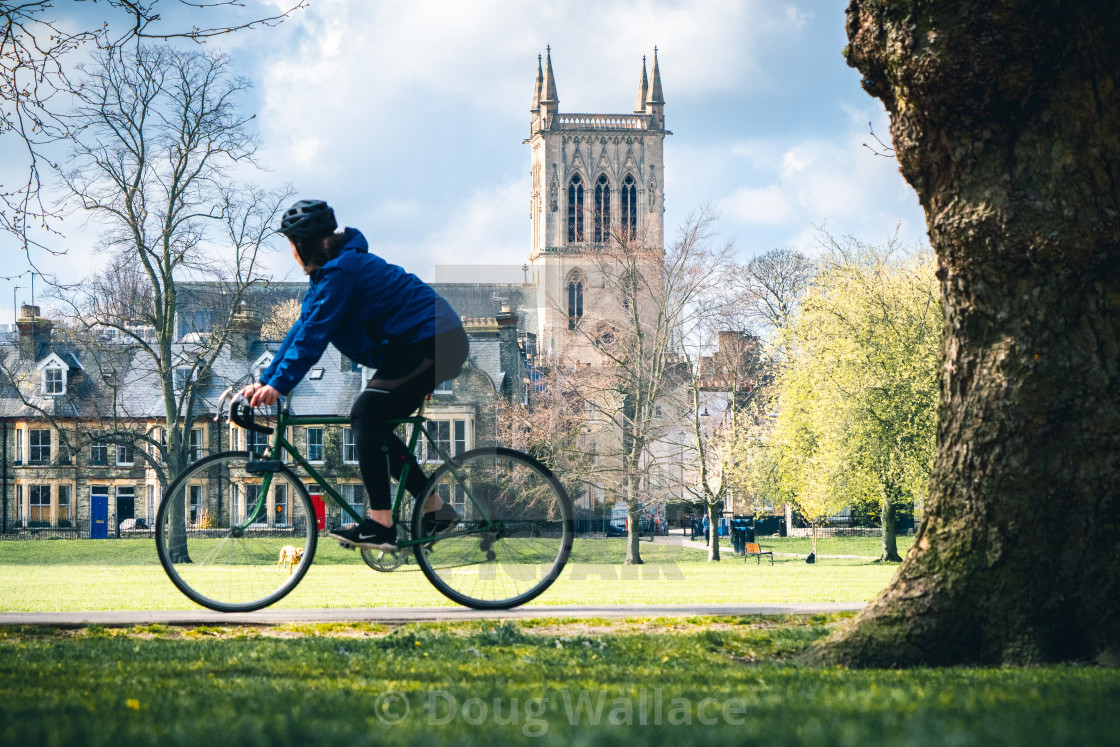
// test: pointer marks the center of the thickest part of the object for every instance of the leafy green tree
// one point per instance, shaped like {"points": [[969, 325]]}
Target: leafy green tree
{"points": [[803, 460], [859, 395]]}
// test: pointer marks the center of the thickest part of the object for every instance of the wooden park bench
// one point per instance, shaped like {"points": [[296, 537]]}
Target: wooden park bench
{"points": [[752, 548]]}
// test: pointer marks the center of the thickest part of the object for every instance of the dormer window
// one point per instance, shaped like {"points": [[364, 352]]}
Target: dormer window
{"points": [[53, 374], [54, 381], [260, 364]]}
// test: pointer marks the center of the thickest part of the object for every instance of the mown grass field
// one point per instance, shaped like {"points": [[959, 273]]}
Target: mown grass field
{"points": [[638, 682], [74, 575]]}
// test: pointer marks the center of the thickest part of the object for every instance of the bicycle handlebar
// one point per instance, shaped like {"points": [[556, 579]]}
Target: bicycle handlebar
{"points": [[240, 412]]}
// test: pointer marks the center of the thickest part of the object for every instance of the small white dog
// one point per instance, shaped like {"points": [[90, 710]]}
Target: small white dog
{"points": [[290, 556]]}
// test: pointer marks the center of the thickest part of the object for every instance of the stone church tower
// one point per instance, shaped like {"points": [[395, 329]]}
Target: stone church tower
{"points": [[595, 178]]}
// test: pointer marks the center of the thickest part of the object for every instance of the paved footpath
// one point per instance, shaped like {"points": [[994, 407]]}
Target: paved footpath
{"points": [[399, 615]]}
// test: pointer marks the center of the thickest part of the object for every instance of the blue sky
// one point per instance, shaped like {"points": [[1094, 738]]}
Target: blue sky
{"points": [[409, 118]]}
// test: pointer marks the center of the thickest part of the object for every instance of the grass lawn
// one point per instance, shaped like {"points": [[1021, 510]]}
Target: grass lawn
{"points": [[73, 575], [633, 682]]}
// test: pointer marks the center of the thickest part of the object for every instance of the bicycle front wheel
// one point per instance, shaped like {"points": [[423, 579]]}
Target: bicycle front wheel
{"points": [[514, 535], [235, 533]]}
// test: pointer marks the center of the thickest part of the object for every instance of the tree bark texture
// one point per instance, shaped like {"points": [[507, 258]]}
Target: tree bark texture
{"points": [[1005, 118], [713, 544], [633, 513], [888, 517]]}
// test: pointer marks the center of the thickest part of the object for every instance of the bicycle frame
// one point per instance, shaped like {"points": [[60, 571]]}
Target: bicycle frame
{"points": [[281, 444]]}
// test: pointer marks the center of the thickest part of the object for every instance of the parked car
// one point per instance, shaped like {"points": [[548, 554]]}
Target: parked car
{"points": [[617, 526], [619, 523]]}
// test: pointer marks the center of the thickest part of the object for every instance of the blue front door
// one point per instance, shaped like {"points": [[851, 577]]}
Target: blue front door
{"points": [[99, 516]]}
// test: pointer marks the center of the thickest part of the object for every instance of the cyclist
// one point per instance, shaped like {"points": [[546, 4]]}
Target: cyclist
{"points": [[380, 316]]}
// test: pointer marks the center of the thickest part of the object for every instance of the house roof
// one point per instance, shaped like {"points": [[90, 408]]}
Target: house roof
{"points": [[108, 379]]}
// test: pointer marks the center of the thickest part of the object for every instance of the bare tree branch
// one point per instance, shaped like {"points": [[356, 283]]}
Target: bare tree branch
{"points": [[39, 50]]}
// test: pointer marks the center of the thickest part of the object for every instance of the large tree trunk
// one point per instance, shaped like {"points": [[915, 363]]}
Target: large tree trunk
{"points": [[713, 545], [1005, 119], [890, 541], [633, 512], [177, 529]]}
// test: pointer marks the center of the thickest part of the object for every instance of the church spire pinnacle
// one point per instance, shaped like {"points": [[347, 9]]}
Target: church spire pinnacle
{"points": [[550, 96], [643, 87], [655, 95], [537, 88]]}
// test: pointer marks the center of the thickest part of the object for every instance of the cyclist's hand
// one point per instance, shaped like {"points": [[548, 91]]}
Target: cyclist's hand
{"points": [[263, 395]]}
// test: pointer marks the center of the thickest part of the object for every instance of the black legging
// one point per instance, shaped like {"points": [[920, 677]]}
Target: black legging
{"points": [[399, 387]]}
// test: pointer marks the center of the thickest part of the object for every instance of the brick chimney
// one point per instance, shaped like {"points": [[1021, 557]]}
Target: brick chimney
{"points": [[739, 349], [244, 330], [34, 333], [509, 351]]}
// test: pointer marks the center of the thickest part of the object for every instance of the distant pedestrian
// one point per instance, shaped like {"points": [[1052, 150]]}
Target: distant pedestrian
{"points": [[707, 529]]}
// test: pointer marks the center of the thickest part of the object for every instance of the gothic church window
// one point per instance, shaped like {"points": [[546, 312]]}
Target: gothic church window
{"points": [[575, 209], [629, 199], [575, 302], [602, 209]]}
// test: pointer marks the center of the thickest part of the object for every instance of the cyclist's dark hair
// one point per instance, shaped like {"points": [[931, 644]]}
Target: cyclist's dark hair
{"points": [[314, 253]]}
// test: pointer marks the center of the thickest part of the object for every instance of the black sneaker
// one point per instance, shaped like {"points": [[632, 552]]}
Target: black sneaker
{"points": [[369, 533], [439, 521]]}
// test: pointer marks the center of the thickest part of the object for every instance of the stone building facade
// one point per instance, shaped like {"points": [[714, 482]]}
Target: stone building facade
{"points": [[59, 478], [594, 179]]}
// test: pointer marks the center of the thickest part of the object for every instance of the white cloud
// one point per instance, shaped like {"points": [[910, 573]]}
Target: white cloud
{"points": [[831, 182], [406, 114], [408, 117], [358, 72], [480, 231], [767, 206], [796, 159]]}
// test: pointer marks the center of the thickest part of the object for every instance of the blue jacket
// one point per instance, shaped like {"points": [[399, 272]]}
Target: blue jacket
{"points": [[364, 306]]}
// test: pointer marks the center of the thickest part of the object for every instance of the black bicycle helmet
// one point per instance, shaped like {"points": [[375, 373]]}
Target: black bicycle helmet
{"points": [[308, 219]]}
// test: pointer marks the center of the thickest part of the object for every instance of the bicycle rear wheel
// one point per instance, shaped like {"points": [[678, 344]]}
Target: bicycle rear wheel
{"points": [[514, 535], [227, 544]]}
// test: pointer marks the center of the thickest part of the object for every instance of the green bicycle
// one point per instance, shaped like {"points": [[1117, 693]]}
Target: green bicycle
{"points": [[237, 530]]}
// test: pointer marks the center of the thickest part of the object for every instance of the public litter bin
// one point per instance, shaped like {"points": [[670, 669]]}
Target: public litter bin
{"points": [[739, 530]]}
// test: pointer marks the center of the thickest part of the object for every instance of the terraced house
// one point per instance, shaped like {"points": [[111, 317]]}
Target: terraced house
{"points": [[81, 422]]}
